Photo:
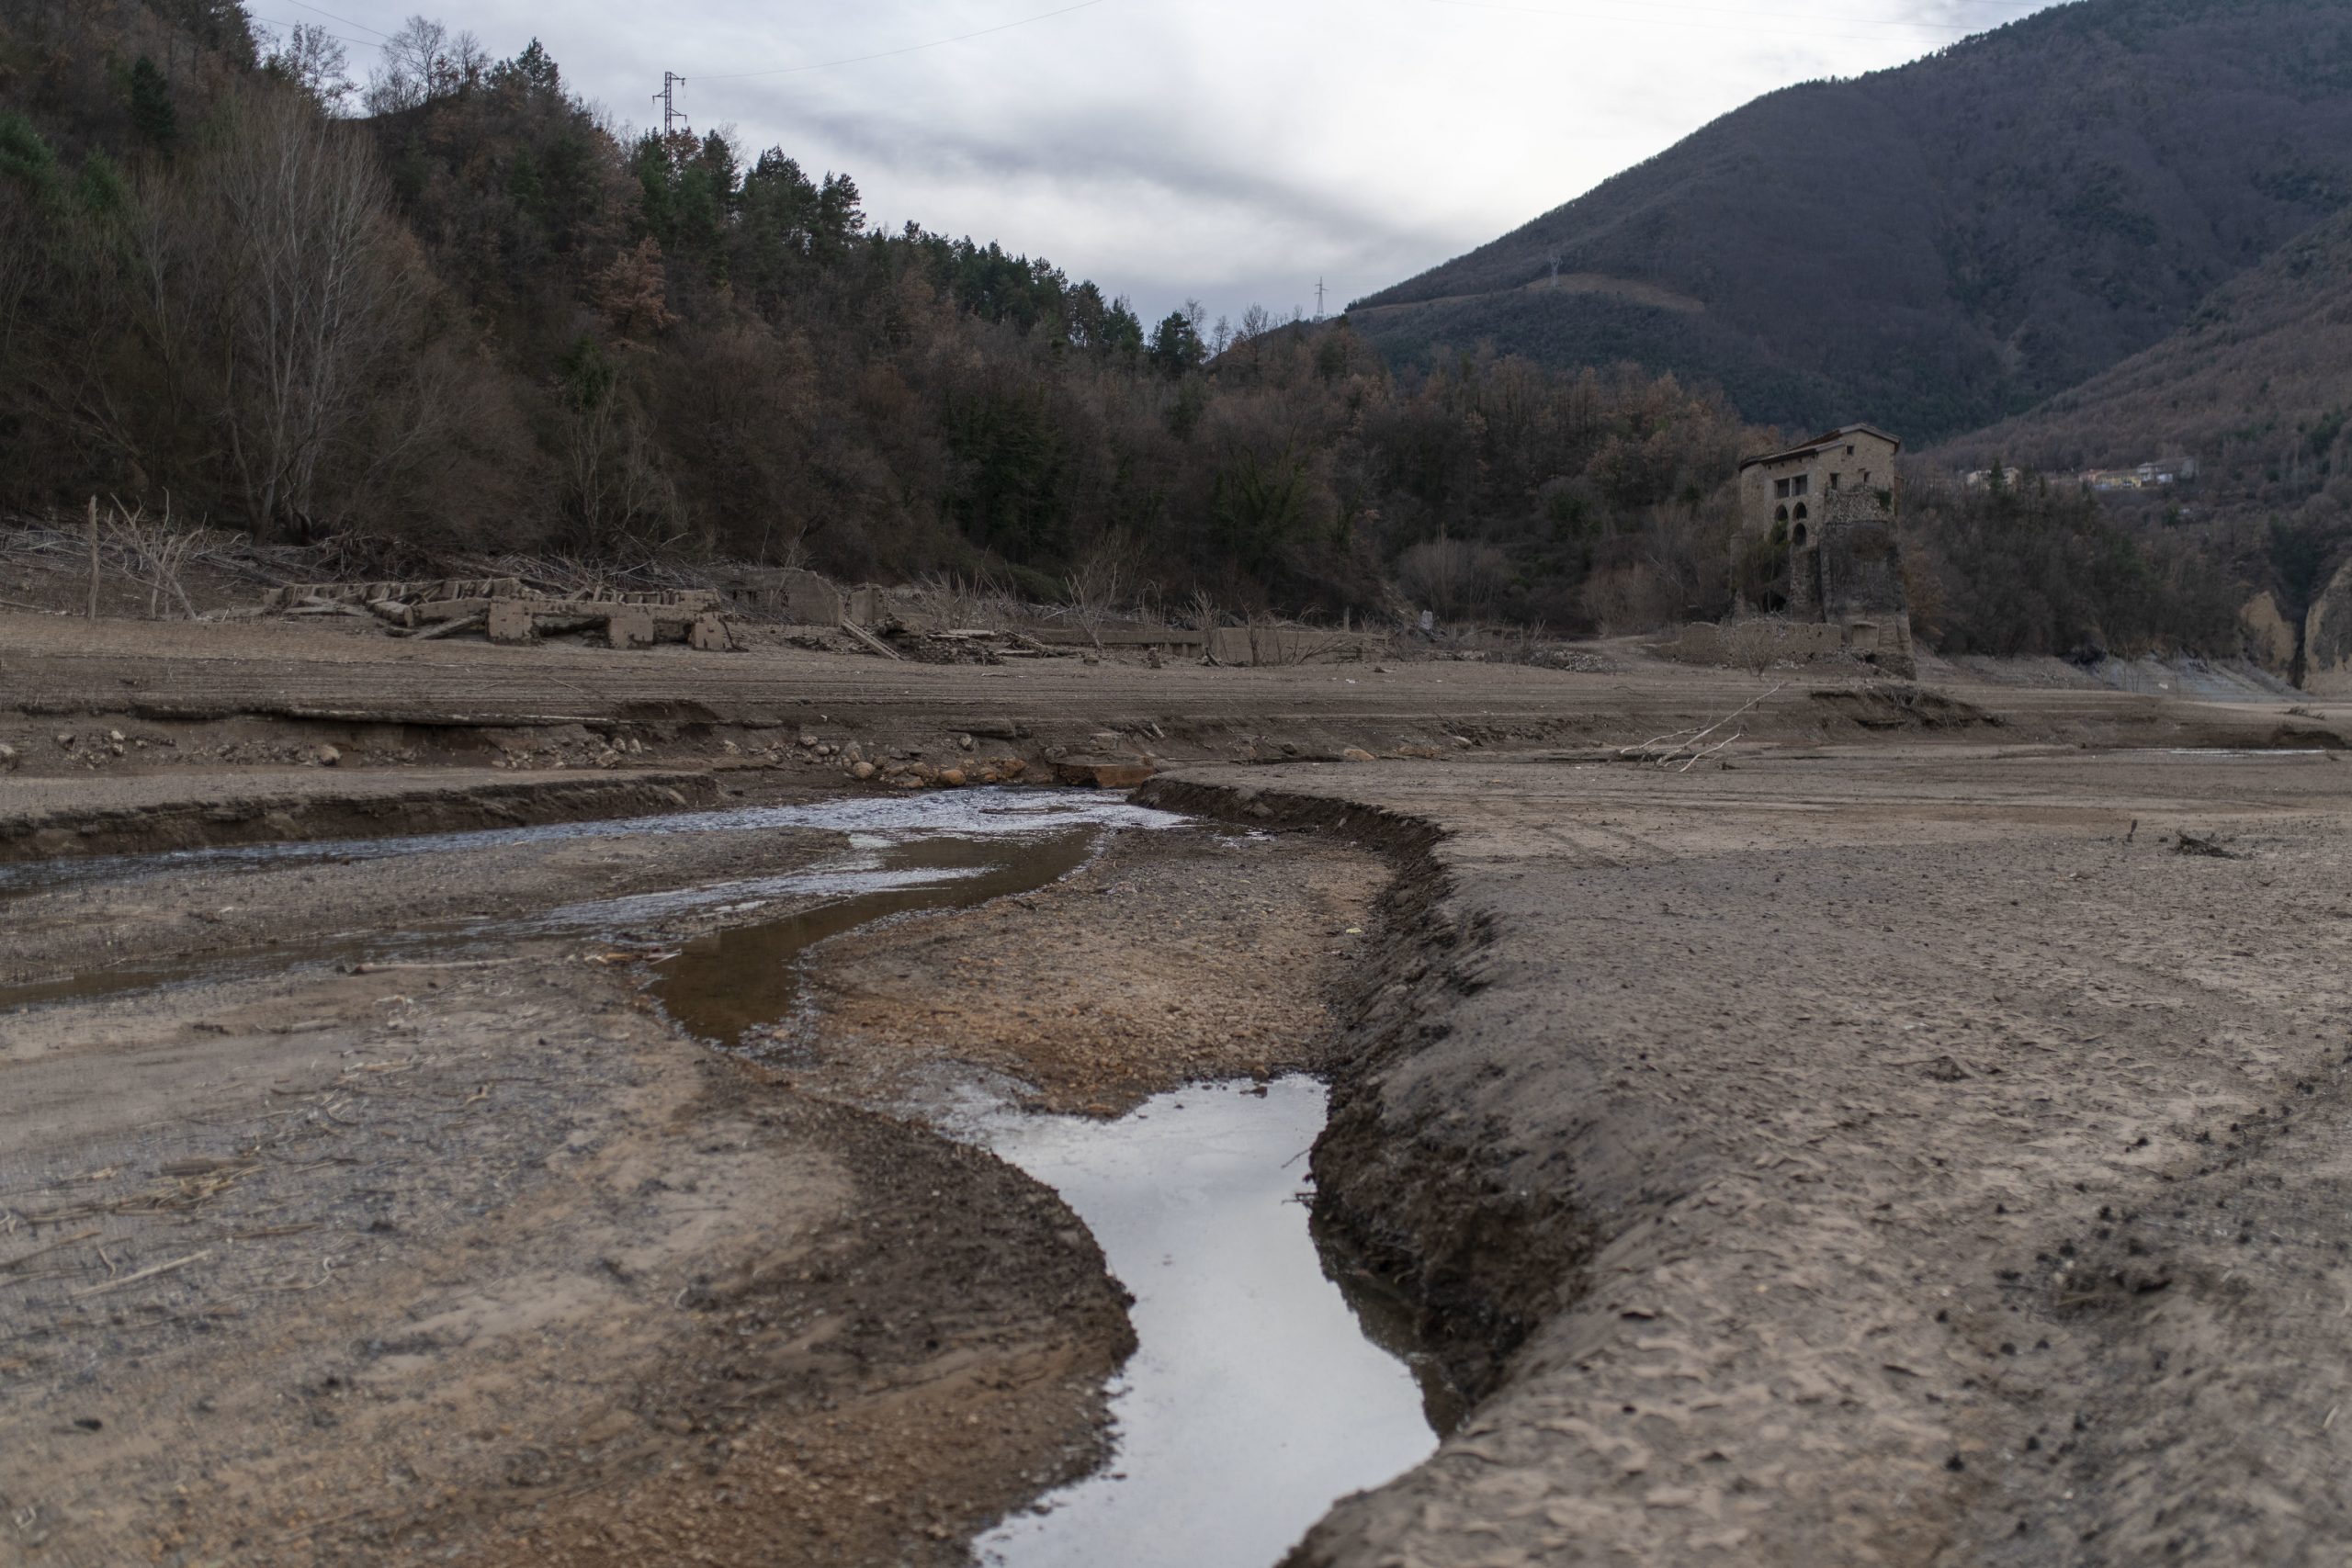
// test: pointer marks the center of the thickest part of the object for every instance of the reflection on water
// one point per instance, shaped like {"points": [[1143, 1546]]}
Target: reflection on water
{"points": [[1254, 1399], [722, 985], [1269, 1378], [898, 843]]}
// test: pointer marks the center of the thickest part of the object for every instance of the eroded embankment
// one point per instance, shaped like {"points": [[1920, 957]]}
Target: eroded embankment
{"points": [[1434, 1214], [418, 1225], [148, 814], [1859, 1158]]}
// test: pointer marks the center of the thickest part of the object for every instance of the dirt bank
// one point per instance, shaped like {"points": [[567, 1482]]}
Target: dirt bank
{"points": [[207, 697], [1869, 1157], [481, 1260], [1171, 957], [142, 812]]}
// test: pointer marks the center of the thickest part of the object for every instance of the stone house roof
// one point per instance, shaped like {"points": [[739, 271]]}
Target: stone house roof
{"points": [[1831, 438]]}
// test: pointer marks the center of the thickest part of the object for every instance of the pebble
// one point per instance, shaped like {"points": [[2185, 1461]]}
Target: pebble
{"points": [[328, 756]]}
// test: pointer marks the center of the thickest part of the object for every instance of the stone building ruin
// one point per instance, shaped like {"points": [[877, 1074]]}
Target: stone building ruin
{"points": [[1832, 501]]}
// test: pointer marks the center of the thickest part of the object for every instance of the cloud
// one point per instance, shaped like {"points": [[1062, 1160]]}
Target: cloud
{"points": [[1222, 149]]}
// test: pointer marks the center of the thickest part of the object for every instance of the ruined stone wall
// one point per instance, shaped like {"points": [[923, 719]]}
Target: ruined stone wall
{"points": [[1862, 559], [1761, 641]]}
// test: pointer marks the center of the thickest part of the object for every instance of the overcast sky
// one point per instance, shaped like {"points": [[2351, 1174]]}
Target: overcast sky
{"points": [[1234, 150]]}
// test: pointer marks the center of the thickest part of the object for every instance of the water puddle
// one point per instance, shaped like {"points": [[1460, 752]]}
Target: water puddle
{"points": [[974, 813], [722, 986], [904, 852], [1270, 1379], [2236, 754], [1255, 1398]]}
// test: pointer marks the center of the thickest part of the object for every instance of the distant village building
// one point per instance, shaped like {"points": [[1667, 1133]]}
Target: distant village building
{"points": [[1832, 500], [1981, 478], [2144, 476]]}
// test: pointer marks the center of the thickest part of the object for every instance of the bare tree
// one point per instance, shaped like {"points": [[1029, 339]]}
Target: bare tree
{"points": [[613, 488], [1452, 577], [422, 61], [313, 60], [317, 295], [1093, 589]]}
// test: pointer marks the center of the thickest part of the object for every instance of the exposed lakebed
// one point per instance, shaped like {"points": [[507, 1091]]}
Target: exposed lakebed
{"points": [[1261, 1390], [1266, 1382]]}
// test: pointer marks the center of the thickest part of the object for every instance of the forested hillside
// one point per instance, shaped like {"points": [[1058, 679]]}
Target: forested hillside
{"points": [[462, 308], [2257, 390], [473, 311], [1939, 246]]}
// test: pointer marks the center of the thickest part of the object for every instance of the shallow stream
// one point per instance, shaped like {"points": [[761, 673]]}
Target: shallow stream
{"points": [[1255, 1398], [1269, 1378]]}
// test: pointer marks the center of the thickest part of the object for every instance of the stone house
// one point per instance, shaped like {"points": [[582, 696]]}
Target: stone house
{"points": [[1832, 501]]}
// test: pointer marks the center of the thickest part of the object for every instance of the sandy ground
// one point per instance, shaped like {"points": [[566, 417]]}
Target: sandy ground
{"points": [[268, 694], [1055, 990], [1874, 1158], [488, 1263], [1888, 1148]]}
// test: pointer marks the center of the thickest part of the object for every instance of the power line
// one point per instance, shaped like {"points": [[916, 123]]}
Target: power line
{"points": [[356, 42], [909, 49], [346, 21]]}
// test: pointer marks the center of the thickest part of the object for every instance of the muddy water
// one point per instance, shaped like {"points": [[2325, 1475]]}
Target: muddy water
{"points": [[1255, 1399], [1261, 1390], [743, 978], [904, 853]]}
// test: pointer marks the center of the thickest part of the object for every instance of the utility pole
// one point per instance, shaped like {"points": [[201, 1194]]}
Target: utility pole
{"points": [[1318, 299], [667, 97]]}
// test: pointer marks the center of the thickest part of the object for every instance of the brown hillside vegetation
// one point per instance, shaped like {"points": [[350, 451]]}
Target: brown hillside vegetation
{"points": [[480, 318], [548, 334], [1936, 245], [2255, 388]]}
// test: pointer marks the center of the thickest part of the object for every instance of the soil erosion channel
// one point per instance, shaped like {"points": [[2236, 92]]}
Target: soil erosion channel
{"points": [[1254, 1383], [456, 1248]]}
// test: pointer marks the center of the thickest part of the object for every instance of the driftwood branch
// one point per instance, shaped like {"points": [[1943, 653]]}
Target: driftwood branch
{"points": [[146, 1273], [1688, 743]]}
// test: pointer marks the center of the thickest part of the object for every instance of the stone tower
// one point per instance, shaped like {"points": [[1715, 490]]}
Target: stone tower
{"points": [[1832, 501]]}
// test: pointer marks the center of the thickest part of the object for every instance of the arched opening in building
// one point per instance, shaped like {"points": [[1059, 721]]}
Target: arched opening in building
{"points": [[1797, 539], [1802, 512], [1779, 514]]}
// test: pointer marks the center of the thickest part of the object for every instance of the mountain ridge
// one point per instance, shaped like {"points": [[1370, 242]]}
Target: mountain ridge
{"points": [[1942, 243]]}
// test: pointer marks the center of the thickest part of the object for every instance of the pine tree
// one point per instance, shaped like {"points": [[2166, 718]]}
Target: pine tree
{"points": [[152, 116]]}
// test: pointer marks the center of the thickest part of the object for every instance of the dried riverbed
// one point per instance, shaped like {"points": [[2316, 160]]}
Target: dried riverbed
{"points": [[375, 1260]]}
